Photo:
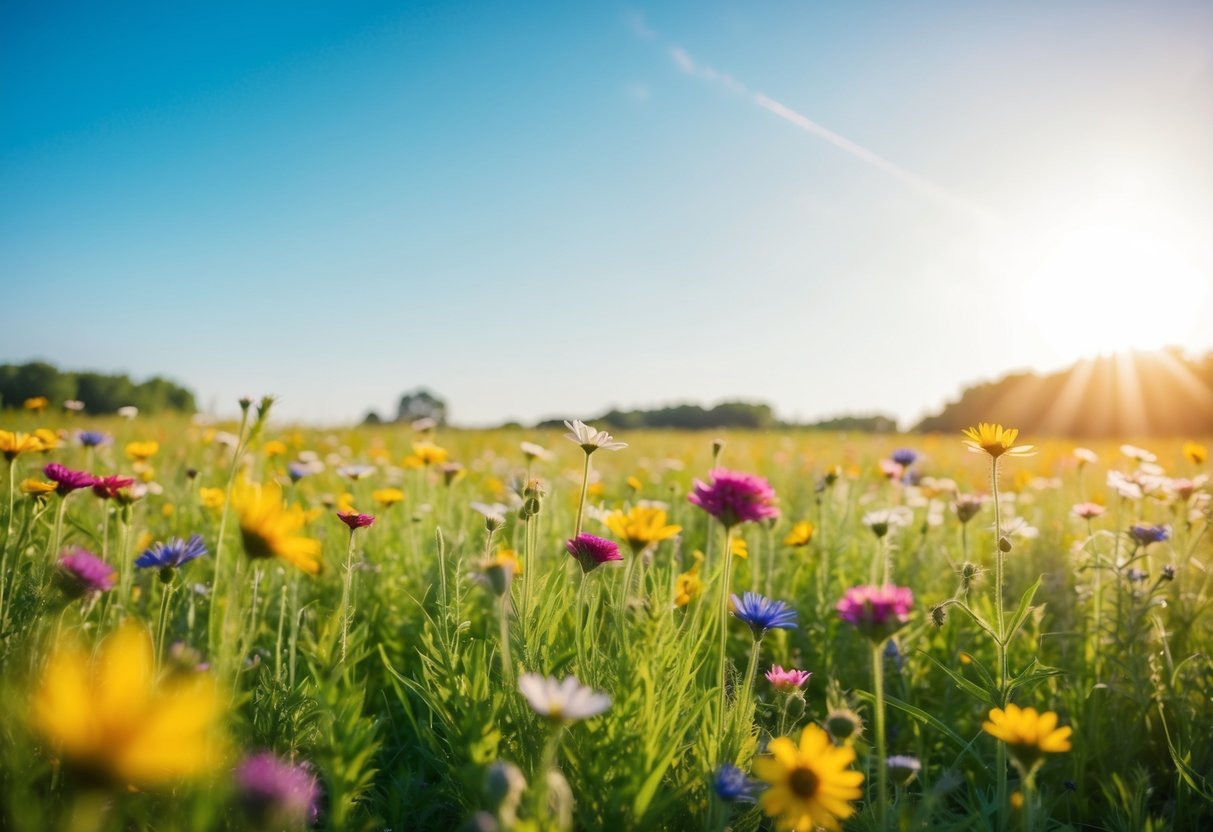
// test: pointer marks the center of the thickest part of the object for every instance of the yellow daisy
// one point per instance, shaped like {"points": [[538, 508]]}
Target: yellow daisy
{"points": [[810, 785], [995, 440], [800, 535], [270, 528], [142, 451], [688, 585], [387, 496], [12, 445], [641, 526], [112, 716], [1196, 454], [1029, 735]]}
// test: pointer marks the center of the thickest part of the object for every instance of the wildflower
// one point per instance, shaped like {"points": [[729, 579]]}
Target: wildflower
{"points": [[738, 548], [876, 611], [212, 498], [92, 438], [732, 785], [67, 480], [142, 451], [904, 768], [967, 506], [452, 471], [112, 717], [1136, 575], [12, 445], [891, 470], [1124, 486], [634, 483], [494, 514], [426, 454], [270, 529], [787, 681], [48, 438], [1087, 511], [1029, 735], [561, 701], [355, 520], [589, 439], [689, 585], [277, 794], [387, 496], [504, 556], [273, 448], [1196, 454], [995, 440], [1139, 454], [107, 488], [641, 526], [800, 535], [1168, 573], [532, 451], [83, 573], [592, 551], [172, 554], [1144, 534], [811, 785], [905, 457], [733, 497], [35, 404], [843, 724], [761, 613], [1085, 456], [356, 472], [884, 520]]}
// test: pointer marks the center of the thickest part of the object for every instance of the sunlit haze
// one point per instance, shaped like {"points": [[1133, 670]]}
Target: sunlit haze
{"points": [[552, 209]]}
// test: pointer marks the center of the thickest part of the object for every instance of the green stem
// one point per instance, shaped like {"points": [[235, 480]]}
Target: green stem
{"points": [[166, 592], [57, 540], [507, 663], [726, 572], [882, 789], [585, 485], [346, 593], [1001, 641], [215, 623]]}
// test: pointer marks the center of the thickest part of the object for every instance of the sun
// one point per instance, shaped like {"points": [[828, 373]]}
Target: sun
{"points": [[1113, 278]]}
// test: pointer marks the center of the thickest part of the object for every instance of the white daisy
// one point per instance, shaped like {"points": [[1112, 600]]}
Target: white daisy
{"points": [[589, 439], [565, 700]]}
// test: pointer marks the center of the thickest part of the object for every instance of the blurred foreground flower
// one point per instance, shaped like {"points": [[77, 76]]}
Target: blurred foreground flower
{"points": [[269, 528], [12, 445], [277, 794], [876, 611], [111, 717], [811, 785], [565, 700], [83, 573], [800, 535]]}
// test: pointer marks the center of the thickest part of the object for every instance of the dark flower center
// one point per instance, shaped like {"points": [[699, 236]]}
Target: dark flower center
{"points": [[803, 782]]}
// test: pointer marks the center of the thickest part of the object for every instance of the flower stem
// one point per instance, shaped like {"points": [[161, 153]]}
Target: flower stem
{"points": [[346, 593], [585, 485], [882, 788], [1001, 641], [726, 572], [507, 662], [166, 593]]}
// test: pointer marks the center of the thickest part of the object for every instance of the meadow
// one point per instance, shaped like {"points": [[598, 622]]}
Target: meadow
{"points": [[402, 627]]}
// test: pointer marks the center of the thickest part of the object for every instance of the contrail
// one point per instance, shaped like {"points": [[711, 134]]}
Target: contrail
{"points": [[689, 66]]}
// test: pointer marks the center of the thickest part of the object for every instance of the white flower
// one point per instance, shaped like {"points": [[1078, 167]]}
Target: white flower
{"points": [[589, 439], [128, 412], [356, 472], [74, 405], [492, 511], [1124, 486], [533, 451], [1140, 454], [565, 700], [1085, 455], [890, 518], [423, 424], [1018, 527]]}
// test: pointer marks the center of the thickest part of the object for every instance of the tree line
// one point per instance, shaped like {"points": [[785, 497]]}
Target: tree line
{"points": [[101, 393]]}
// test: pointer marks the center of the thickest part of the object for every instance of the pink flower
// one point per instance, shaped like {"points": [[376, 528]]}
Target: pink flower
{"points": [[592, 551], [66, 479], [108, 487], [733, 497], [787, 681], [876, 611], [83, 573], [1087, 511], [355, 520]]}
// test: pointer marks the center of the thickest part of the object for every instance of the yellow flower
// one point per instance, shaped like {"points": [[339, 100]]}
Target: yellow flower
{"points": [[274, 448], [634, 483], [811, 785], [595, 489], [270, 528], [167, 509], [1016, 800], [142, 451], [689, 585], [427, 453], [211, 497], [995, 440], [640, 526], [144, 540], [12, 445], [387, 496], [739, 548], [48, 438], [36, 404], [112, 716], [1029, 735], [37, 488], [345, 502], [507, 557], [800, 535], [1196, 454]]}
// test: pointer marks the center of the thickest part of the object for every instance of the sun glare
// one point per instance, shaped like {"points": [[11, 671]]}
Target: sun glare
{"points": [[1112, 282]]}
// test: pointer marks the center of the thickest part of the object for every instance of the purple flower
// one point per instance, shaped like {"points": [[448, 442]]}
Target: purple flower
{"points": [[66, 479], [92, 438], [762, 613], [83, 573], [107, 488], [904, 457], [876, 611], [172, 554], [733, 497], [278, 794], [355, 520], [1144, 534], [298, 470], [732, 785], [592, 551]]}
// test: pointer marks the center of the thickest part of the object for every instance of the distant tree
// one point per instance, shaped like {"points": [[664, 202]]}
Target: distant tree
{"points": [[421, 404], [372, 418], [100, 392]]}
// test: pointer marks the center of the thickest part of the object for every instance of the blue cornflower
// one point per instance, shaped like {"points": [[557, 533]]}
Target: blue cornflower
{"points": [[1144, 534], [173, 554], [298, 470], [904, 457], [763, 614], [732, 785], [92, 438]]}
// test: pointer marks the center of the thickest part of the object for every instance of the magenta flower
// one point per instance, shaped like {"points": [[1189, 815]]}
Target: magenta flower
{"points": [[66, 479], [83, 573], [592, 551], [107, 488], [278, 794], [876, 611], [787, 681], [355, 520], [733, 497]]}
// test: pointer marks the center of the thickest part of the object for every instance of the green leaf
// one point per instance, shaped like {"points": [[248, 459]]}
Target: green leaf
{"points": [[1035, 674], [990, 697], [924, 717], [1021, 612]]}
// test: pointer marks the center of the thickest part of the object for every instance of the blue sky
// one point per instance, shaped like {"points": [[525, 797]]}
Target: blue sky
{"points": [[541, 209]]}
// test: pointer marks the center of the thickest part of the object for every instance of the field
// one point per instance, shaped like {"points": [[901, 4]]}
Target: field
{"points": [[306, 669]]}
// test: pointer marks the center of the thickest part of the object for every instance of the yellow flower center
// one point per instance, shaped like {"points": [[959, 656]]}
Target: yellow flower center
{"points": [[803, 782]]}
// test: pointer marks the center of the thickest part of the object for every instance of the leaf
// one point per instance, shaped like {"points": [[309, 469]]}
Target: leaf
{"points": [[1035, 674], [990, 697], [1021, 612], [923, 716]]}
